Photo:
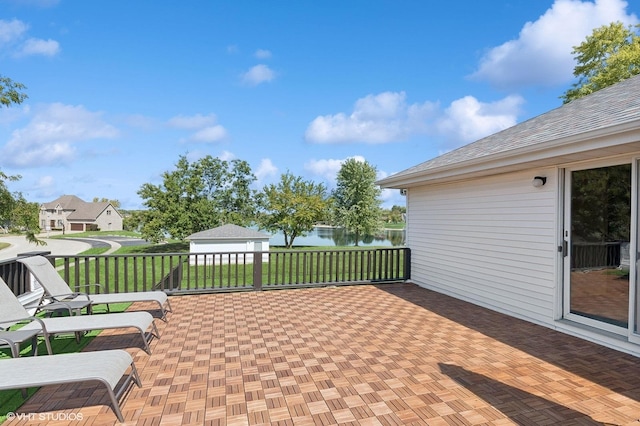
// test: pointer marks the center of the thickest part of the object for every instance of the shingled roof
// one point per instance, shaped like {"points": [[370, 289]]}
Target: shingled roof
{"points": [[66, 202], [228, 232], [88, 211], [613, 108]]}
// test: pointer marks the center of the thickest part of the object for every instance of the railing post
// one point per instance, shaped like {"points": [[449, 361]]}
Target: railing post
{"points": [[407, 264], [257, 270]]}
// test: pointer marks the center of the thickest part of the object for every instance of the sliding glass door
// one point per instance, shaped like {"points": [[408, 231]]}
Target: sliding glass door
{"points": [[597, 238]]}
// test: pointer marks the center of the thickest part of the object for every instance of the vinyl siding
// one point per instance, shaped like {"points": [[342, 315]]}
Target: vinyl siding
{"points": [[491, 241]]}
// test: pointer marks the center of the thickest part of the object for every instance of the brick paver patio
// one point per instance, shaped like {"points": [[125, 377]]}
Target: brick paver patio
{"points": [[361, 355]]}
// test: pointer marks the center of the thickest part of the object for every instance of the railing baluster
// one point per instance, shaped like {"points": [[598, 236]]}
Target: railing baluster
{"points": [[225, 271]]}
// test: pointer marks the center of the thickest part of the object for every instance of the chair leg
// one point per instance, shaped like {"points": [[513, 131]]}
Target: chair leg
{"points": [[47, 343]]}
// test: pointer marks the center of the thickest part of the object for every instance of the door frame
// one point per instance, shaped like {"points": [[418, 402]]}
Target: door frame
{"points": [[565, 248]]}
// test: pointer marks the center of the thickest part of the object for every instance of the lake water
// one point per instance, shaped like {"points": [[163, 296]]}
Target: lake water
{"points": [[323, 236]]}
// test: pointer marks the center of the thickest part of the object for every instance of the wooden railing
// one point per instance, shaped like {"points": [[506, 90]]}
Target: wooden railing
{"points": [[184, 273]]}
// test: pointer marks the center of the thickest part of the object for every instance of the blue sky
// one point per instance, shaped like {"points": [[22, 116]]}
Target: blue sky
{"points": [[118, 90]]}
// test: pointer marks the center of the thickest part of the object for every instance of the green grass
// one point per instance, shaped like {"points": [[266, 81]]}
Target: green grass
{"points": [[99, 234], [11, 400], [400, 225], [4, 245]]}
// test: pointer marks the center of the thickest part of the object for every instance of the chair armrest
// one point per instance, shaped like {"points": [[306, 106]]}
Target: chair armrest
{"points": [[15, 321], [97, 285], [67, 296]]}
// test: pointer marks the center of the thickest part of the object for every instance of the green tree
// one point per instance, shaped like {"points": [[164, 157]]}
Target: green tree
{"points": [[197, 196], [133, 220], [7, 200], [357, 199], [24, 216], [394, 215], [607, 56], [11, 92], [293, 206], [15, 211]]}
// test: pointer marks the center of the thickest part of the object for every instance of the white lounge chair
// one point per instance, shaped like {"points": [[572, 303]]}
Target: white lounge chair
{"points": [[12, 312], [58, 290], [107, 367]]}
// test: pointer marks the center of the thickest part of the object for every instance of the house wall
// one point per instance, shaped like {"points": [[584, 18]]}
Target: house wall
{"points": [[109, 222], [490, 241]]}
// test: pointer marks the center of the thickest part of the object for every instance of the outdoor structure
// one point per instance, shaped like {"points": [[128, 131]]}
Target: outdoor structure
{"points": [[70, 213], [539, 221], [228, 239]]}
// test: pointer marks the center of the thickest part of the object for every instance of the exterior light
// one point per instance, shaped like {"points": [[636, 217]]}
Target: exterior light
{"points": [[539, 181]]}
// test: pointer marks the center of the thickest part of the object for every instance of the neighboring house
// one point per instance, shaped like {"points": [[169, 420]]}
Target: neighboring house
{"points": [[539, 221], [227, 239], [70, 213]]}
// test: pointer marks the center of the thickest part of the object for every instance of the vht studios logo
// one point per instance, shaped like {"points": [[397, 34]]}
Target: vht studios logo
{"points": [[68, 417]]}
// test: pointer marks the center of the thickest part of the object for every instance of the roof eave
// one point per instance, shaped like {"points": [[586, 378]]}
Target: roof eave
{"points": [[534, 155]]}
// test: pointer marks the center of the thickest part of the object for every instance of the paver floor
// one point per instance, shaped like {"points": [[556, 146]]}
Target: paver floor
{"points": [[392, 354]]}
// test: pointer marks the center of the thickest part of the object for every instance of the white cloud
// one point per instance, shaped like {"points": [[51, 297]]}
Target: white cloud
{"points": [[381, 118], [34, 46], [210, 134], [328, 169], [12, 31], [205, 127], [12, 34], [51, 135], [468, 120], [541, 55], [45, 186], [265, 170], [387, 117], [10, 115], [257, 75], [263, 54]]}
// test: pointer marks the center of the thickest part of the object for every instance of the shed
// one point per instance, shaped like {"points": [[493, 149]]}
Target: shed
{"points": [[539, 221], [227, 244]]}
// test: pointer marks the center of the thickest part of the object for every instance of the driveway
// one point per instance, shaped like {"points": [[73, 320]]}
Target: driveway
{"points": [[61, 247]]}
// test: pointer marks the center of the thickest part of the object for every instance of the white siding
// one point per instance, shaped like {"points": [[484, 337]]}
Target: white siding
{"points": [[222, 246], [491, 241]]}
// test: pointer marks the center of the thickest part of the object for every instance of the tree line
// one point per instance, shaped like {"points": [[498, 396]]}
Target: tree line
{"points": [[211, 192]]}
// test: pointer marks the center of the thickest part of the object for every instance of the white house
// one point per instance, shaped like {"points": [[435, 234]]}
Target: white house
{"points": [[221, 244], [70, 213], [539, 221]]}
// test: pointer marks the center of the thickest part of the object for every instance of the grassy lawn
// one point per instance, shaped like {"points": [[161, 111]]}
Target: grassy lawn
{"points": [[98, 234], [394, 225], [11, 400]]}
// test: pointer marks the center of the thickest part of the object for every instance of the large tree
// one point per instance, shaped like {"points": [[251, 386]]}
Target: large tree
{"points": [[609, 55], [197, 196], [15, 212], [293, 206], [357, 199]]}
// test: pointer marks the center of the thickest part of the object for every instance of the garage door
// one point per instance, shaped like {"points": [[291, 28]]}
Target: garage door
{"points": [[77, 226]]}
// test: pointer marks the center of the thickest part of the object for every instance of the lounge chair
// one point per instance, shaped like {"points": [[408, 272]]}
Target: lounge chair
{"points": [[58, 290], [12, 312], [107, 367]]}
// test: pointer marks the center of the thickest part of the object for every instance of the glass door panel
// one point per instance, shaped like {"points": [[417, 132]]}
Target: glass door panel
{"points": [[599, 235]]}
